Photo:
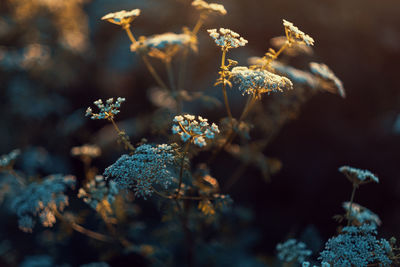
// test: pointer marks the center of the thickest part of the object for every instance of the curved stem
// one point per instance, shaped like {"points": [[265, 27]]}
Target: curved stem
{"points": [[181, 168], [123, 136], [223, 74]]}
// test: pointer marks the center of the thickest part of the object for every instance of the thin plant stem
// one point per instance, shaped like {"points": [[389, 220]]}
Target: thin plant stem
{"points": [[235, 177], [351, 204], [228, 109], [146, 61], [181, 168], [276, 55], [123, 136], [19, 179], [171, 79]]}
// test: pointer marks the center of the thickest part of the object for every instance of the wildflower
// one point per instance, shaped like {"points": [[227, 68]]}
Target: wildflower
{"points": [[96, 192], [292, 250], [256, 82], [42, 200], [8, 159], [294, 35], [335, 85], [356, 246], [163, 46], [197, 131], [148, 166], [123, 17], [361, 214], [358, 176], [295, 75], [209, 7], [91, 151], [227, 39], [107, 111]]}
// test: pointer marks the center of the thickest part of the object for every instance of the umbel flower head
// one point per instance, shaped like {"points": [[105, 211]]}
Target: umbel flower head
{"points": [[210, 8], [97, 192], [293, 34], [361, 214], [196, 131], [164, 45], [227, 39], [42, 200], [8, 160], [358, 176], [107, 111], [357, 246], [148, 166], [256, 82], [335, 85], [123, 17]]}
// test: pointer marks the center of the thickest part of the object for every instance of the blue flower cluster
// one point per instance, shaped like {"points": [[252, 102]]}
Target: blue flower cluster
{"points": [[187, 127], [308, 264], [147, 167], [8, 159], [358, 176], [42, 200], [107, 111], [292, 250], [356, 246], [97, 191]]}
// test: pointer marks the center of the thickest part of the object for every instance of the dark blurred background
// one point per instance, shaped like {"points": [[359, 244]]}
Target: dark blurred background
{"points": [[57, 57]]}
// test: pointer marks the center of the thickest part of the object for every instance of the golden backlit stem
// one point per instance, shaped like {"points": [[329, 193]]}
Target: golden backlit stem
{"points": [[124, 139], [226, 101], [276, 55], [351, 204], [146, 61]]}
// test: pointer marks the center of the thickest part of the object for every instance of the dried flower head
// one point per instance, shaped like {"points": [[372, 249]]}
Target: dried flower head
{"points": [[294, 35], [96, 193], [358, 176], [148, 166], [123, 17], [42, 200], [256, 82], [292, 250], [334, 84], [8, 160], [210, 8], [227, 39], [107, 111], [361, 214], [91, 151], [196, 131]]}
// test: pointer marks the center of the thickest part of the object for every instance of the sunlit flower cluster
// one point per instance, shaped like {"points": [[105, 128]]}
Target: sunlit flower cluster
{"points": [[327, 74], [361, 214], [256, 82], [148, 166], [293, 34], [42, 200], [91, 151], [358, 176], [97, 191], [197, 131], [227, 39], [123, 17], [8, 159], [107, 111], [209, 7]]}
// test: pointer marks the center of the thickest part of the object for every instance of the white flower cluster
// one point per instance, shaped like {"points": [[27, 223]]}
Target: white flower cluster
{"points": [[210, 8], [42, 200], [168, 39], [358, 176], [326, 73], [259, 81], [107, 111], [97, 191], [122, 17], [226, 38], [148, 166], [187, 127], [294, 34]]}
